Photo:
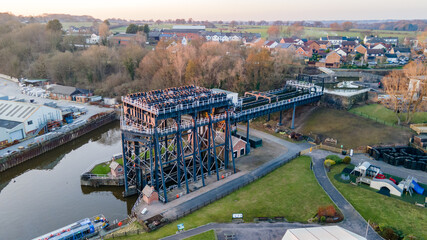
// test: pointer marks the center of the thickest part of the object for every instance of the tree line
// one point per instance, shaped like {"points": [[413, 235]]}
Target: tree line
{"points": [[43, 51]]}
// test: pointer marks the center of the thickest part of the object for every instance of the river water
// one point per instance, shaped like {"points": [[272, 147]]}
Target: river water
{"points": [[44, 193]]}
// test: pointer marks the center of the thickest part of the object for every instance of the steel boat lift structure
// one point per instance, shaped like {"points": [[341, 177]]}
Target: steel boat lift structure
{"points": [[176, 136]]}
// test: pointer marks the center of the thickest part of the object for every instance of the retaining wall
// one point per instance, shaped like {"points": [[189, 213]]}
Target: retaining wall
{"points": [[38, 149]]}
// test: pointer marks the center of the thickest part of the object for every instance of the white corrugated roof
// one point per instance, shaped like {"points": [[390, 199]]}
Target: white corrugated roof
{"points": [[321, 233], [16, 111]]}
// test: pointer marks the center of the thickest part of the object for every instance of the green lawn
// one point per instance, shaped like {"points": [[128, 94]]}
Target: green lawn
{"points": [[381, 209], [378, 111], [351, 130], [208, 235], [66, 25], [120, 161], [290, 191], [102, 168]]}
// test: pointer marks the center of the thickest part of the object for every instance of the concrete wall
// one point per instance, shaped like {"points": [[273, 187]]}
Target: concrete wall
{"points": [[342, 102], [103, 181]]}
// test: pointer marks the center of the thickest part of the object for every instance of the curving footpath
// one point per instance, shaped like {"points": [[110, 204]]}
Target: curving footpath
{"points": [[353, 221]]}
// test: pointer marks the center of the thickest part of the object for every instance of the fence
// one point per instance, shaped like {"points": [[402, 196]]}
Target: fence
{"points": [[38, 149], [377, 120]]}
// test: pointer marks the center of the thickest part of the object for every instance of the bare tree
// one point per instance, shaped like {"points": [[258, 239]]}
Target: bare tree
{"points": [[406, 90]]}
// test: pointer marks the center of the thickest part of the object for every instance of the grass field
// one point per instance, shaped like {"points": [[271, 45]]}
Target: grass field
{"points": [[309, 32], [377, 111], [276, 194], [208, 235], [66, 25], [350, 130], [382, 209]]}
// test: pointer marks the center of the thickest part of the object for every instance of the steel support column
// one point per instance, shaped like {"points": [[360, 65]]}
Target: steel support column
{"points": [[280, 119], [293, 117], [248, 145]]}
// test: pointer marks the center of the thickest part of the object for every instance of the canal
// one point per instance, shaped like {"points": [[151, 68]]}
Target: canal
{"points": [[44, 193]]}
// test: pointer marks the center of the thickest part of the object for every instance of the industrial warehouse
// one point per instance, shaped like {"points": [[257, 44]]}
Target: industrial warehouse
{"points": [[20, 119]]}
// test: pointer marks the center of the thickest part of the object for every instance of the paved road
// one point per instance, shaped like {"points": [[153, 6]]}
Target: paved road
{"points": [[261, 231], [353, 221]]}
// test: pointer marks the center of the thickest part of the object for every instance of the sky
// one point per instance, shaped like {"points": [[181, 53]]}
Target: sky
{"points": [[226, 10]]}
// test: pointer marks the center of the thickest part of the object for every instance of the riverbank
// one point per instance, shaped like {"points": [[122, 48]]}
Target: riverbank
{"points": [[43, 147]]}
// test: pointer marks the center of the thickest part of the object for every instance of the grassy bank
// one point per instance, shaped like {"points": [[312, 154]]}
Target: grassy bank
{"points": [[383, 114], [104, 168], [350, 130], [276, 194], [381, 209]]}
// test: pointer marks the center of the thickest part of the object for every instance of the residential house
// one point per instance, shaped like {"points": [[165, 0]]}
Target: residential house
{"points": [[333, 60], [341, 52], [360, 49], [336, 40], [287, 40], [394, 41], [304, 52], [124, 39], [374, 55], [313, 45], [380, 46], [391, 58], [94, 39], [270, 44], [324, 44], [401, 51], [286, 46], [350, 45]]}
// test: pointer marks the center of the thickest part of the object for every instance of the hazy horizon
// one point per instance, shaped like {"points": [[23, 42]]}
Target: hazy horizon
{"points": [[270, 10]]}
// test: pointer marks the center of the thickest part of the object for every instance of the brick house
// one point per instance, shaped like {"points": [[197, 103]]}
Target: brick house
{"points": [[149, 195], [324, 44], [304, 51], [125, 39], [59, 92], [116, 169], [333, 60], [350, 45], [360, 49], [239, 147], [313, 45]]}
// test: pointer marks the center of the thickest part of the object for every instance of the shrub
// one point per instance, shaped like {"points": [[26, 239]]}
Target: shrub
{"points": [[335, 158], [322, 219], [329, 162], [328, 211], [347, 160]]}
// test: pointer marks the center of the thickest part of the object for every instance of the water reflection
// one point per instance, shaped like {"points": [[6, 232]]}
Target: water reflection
{"points": [[44, 193]]}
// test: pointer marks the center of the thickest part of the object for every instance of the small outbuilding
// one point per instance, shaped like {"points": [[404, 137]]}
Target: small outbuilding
{"points": [[116, 169], [149, 195]]}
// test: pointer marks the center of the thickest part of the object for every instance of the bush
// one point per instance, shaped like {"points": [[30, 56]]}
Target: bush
{"points": [[335, 158], [327, 211], [329, 162], [347, 160], [322, 219]]}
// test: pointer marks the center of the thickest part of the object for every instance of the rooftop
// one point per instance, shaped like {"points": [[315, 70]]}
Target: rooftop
{"points": [[170, 97], [8, 124], [16, 111]]}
